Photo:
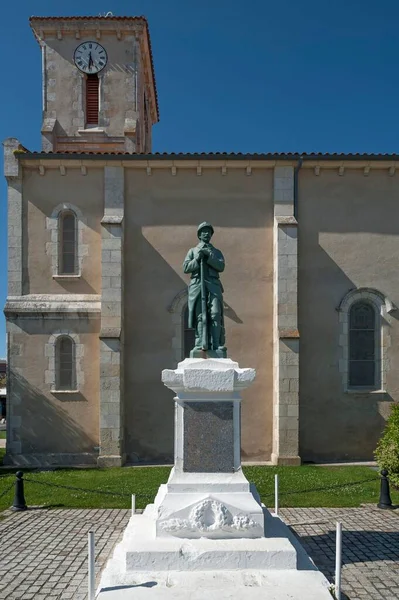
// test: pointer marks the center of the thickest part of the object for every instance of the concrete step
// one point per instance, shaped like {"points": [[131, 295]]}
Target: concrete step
{"points": [[226, 585]]}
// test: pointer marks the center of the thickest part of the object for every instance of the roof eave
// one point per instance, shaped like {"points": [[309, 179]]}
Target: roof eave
{"points": [[205, 156]]}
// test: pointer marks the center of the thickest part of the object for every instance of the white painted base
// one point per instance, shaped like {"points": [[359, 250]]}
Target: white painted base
{"points": [[211, 505], [226, 585], [276, 567], [207, 535]]}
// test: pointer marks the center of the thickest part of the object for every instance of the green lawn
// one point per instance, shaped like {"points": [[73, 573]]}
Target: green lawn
{"points": [[2, 435], [299, 486]]}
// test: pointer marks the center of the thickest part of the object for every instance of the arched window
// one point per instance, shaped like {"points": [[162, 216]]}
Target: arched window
{"points": [[65, 363], [188, 335], [363, 350], [68, 263]]}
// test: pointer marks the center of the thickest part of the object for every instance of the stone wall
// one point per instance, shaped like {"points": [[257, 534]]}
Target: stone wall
{"points": [[46, 426], [45, 196], [348, 240], [163, 208], [125, 305], [112, 308], [285, 322]]}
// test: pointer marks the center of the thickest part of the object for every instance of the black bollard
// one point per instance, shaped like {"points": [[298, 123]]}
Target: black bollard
{"points": [[385, 497], [19, 498]]}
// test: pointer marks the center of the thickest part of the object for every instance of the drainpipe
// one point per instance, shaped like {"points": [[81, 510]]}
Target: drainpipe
{"points": [[296, 171]]}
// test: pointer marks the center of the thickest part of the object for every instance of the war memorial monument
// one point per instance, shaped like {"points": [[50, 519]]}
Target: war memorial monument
{"points": [[207, 535]]}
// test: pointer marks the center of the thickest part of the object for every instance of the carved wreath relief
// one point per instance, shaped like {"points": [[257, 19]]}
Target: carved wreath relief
{"points": [[209, 516]]}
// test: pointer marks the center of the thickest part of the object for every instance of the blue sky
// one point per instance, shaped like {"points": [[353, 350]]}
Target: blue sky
{"points": [[254, 76]]}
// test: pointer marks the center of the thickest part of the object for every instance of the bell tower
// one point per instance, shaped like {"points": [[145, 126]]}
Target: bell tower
{"points": [[99, 92]]}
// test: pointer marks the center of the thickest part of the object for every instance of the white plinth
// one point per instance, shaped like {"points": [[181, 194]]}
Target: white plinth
{"points": [[228, 585], [139, 551], [207, 535], [276, 568], [212, 505]]}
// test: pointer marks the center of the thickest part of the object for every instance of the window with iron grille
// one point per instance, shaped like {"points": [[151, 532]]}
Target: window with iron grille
{"points": [[188, 335], [92, 99], [65, 363], [67, 243], [362, 345]]}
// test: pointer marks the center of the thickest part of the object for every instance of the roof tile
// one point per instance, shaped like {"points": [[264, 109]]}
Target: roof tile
{"points": [[216, 155]]}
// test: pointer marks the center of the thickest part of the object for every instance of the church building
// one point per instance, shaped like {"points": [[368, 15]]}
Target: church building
{"points": [[98, 229]]}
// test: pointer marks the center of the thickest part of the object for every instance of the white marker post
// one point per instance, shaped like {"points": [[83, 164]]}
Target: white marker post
{"points": [[276, 494], [133, 503], [338, 560], [92, 573]]}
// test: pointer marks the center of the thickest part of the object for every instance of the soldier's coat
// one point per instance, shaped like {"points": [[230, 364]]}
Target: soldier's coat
{"points": [[212, 267]]}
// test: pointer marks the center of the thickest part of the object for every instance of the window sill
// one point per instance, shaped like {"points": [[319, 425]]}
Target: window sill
{"points": [[67, 277], [365, 391], [65, 391], [93, 129]]}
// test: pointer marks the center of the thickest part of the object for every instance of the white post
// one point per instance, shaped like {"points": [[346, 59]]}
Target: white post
{"points": [[92, 574], [276, 494], [133, 503], [338, 560]]}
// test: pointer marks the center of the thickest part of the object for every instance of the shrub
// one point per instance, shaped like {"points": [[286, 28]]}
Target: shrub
{"points": [[387, 451]]}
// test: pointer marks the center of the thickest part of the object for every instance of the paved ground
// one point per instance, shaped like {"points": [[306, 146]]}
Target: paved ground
{"points": [[44, 552], [370, 547]]}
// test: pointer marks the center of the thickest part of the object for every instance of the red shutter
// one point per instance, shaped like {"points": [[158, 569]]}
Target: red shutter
{"points": [[92, 100]]}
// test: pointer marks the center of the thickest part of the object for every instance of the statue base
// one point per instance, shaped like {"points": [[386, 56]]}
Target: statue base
{"points": [[200, 353], [207, 535]]}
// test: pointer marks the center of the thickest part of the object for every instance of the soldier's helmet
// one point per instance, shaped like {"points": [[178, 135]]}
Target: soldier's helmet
{"points": [[204, 224]]}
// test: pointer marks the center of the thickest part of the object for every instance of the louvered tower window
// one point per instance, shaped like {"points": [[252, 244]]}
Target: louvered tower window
{"points": [[92, 99]]}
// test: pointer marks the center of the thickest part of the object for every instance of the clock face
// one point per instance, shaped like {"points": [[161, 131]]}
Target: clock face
{"points": [[90, 57]]}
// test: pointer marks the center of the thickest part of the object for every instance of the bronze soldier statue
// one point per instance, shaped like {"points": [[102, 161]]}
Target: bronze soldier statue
{"points": [[205, 296]]}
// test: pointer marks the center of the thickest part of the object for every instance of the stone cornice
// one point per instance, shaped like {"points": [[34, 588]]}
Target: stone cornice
{"points": [[53, 304], [286, 220], [137, 161]]}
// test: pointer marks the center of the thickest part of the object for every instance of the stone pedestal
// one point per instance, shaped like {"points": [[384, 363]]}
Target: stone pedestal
{"points": [[207, 524], [207, 494]]}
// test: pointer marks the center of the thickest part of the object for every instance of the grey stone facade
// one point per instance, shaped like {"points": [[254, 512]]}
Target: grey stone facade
{"points": [[111, 343], [286, 357]]}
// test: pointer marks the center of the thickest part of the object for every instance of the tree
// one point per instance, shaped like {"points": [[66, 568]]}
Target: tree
{"points": [[387, 451]]}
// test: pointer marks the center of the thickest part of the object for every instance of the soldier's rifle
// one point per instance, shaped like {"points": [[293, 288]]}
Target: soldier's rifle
{"points": [[203, 306]]}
